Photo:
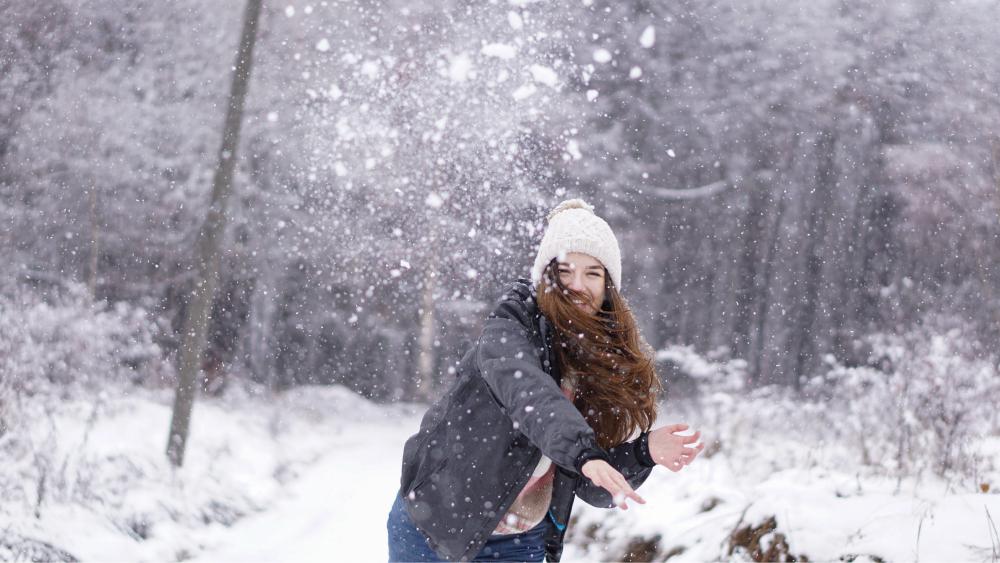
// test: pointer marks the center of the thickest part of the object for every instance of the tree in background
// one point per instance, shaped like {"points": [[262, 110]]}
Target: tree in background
{"points": [[399, 159], [208, 246]]}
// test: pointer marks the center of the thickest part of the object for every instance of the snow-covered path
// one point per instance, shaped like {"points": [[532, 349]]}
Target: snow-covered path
{"points": [[309, 475], [335, 511]]}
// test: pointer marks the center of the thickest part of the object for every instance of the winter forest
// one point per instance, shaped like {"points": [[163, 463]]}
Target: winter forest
{"points": [[245, 243]]}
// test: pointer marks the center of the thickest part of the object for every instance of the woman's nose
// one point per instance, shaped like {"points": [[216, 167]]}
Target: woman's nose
{"points": [[576, 283]]}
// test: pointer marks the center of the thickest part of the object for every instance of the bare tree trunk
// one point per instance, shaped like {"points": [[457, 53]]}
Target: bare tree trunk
{"points": [[94, 244], [853, 308], [425, 363], [258, 340], [747, 284], [764, 304], [804, 334], [195, 327], [700, 322], [989, 277]]}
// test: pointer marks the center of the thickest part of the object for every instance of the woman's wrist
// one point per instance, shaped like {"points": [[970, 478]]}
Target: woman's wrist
{"points": [[642, 451], [588, 455]]}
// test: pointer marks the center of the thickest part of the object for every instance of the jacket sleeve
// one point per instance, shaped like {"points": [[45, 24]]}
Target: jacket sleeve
{"points": [[510, 363], [632, 460]]}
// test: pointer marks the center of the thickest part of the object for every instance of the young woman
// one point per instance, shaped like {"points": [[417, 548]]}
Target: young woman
{"points": [[541, 412]]}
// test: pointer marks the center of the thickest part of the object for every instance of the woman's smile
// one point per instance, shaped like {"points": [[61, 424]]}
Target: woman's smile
{"points": [[584, 274]]}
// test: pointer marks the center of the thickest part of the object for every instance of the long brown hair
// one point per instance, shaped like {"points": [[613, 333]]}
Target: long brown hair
{"points": [[615, 382]]}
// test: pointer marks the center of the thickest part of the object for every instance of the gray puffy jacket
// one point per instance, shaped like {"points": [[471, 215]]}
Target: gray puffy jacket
{"points": [[478, 445]]}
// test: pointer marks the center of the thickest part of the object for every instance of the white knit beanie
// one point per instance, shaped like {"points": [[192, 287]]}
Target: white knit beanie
{"points": [[573, 227]]}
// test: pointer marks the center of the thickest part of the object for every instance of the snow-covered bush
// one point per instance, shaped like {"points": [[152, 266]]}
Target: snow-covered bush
{"points": [[923, 401], [60, 343], [920, 402], [758, 429], [708, 372]]}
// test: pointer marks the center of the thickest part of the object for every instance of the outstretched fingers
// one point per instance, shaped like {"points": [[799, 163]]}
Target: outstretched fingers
{"points": [[630, 492], [621, 496], [621, 491], [693, 451]]}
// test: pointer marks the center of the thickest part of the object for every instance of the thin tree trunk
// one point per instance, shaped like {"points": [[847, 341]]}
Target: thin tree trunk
{"points": [[705, 317], [989, 277], [804, 333], [196, 320], [764, 305], [426, 361], [94, 244], [856, 309], [747, 284], [850, 312], [258, 341]]}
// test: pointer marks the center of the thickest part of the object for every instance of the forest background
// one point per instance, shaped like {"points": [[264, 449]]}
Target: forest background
{"points": [[784, 179], [807, 193]]}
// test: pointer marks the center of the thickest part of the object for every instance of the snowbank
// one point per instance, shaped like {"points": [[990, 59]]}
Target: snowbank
{"points": [[823, 515], [87, 475], [309, 475]]}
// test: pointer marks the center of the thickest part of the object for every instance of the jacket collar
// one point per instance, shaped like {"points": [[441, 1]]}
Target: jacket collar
{"points": [[545, 331], [528, 294]]}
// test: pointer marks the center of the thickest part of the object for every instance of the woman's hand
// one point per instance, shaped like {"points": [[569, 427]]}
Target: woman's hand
{"points": [[609, 479], [672, 451]]}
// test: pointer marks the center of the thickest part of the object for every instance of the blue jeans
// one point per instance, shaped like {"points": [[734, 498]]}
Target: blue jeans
{"points": [[407, 543]]}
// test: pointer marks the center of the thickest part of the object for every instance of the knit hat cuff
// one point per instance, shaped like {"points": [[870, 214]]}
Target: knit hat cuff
{"points": [[573, 227], [590, 247]]}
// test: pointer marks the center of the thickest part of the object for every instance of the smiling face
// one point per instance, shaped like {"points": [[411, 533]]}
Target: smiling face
{"points": [[584, 273]]}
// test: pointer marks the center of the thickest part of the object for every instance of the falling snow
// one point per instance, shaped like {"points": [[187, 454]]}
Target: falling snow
{"points": [[805, 200]]}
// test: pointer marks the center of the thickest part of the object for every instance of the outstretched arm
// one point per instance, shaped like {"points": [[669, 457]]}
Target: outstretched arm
{"points": [[510, 364], [635, 461]]}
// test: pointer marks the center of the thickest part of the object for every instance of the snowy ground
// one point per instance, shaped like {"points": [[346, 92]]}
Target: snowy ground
{"points": [[263, 479], [311, 476]]}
